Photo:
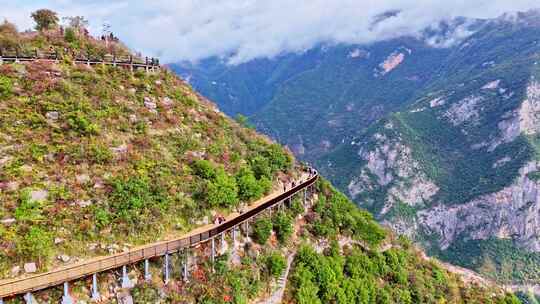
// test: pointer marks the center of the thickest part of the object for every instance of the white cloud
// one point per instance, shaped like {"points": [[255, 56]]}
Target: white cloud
{"points": [[246, 29]]}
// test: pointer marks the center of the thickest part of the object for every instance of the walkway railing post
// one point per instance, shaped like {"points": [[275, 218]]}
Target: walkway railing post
{"points": [[166, 268], [147, 275], [66, 299], [95, 292], [1, 62]]}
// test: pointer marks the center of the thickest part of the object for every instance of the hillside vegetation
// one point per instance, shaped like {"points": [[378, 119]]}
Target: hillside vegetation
{"points": [[97, 159], [371, 268]]}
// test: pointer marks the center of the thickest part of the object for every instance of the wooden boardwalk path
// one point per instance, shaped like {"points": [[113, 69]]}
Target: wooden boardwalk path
{"points": [[11, 287]]}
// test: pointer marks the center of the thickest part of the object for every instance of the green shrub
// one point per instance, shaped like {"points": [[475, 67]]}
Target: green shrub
{"points": [[204, 168], [275, 264], [135, 196], [70, 35], [35, 244], [222, 191], [261, 167], [99, 154], [262, 229], [283, 225], [249, 188], [81, 124], [102, 217], [297, 207], [6, 87], [28, 210]]}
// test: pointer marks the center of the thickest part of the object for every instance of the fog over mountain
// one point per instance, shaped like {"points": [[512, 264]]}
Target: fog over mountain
{"points": [[241, 30]]}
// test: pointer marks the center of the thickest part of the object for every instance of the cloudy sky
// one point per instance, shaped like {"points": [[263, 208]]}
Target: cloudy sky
{"points": [[178, 30]]}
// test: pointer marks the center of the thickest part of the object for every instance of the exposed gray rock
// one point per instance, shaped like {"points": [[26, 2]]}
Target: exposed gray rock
{"points": [[439, 101], [464, 110], [84, 203], [509, 213], [166, 102], [122, 149], [524, 120], [82, 178], [30, 267], [149, 103], [64, 258], [54, 115], [4, 160], [39, 195], [15, 271], [492, 85], [8, 221], [12, 186]]}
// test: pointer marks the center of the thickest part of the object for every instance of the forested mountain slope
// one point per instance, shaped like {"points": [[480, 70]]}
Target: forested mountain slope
{"points": [[438, 141]]}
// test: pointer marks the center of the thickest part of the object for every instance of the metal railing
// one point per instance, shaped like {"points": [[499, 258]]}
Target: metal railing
{"points": [[58, 276], [107, 59]]}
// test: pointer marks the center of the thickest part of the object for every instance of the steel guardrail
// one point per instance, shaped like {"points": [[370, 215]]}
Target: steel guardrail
{"points": [[108, 59]]}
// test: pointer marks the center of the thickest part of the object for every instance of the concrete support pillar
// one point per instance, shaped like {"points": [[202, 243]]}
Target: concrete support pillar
{"points": [[66, 298], [126, 282], [305, 198], [247, 229], [147, 275], [1, 301], [95, 292], [222, 241], [29, 298], [167, 268], [186, 265], [213, 256], [233, 236]]}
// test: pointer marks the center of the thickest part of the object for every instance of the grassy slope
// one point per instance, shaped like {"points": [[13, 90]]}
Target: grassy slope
{"points": [[113, 170]]}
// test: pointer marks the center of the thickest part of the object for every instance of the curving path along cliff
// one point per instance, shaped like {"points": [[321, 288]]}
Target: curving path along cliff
{"points": [[89, 267]]}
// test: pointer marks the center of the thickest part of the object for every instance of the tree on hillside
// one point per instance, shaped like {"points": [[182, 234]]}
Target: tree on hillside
{"points": [[8, 35], [45, 19], [76, 22]]}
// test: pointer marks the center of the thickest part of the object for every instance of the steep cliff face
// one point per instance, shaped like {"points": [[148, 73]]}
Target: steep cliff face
{"points": [[511, 213], [429, 187], [437, 142]]}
